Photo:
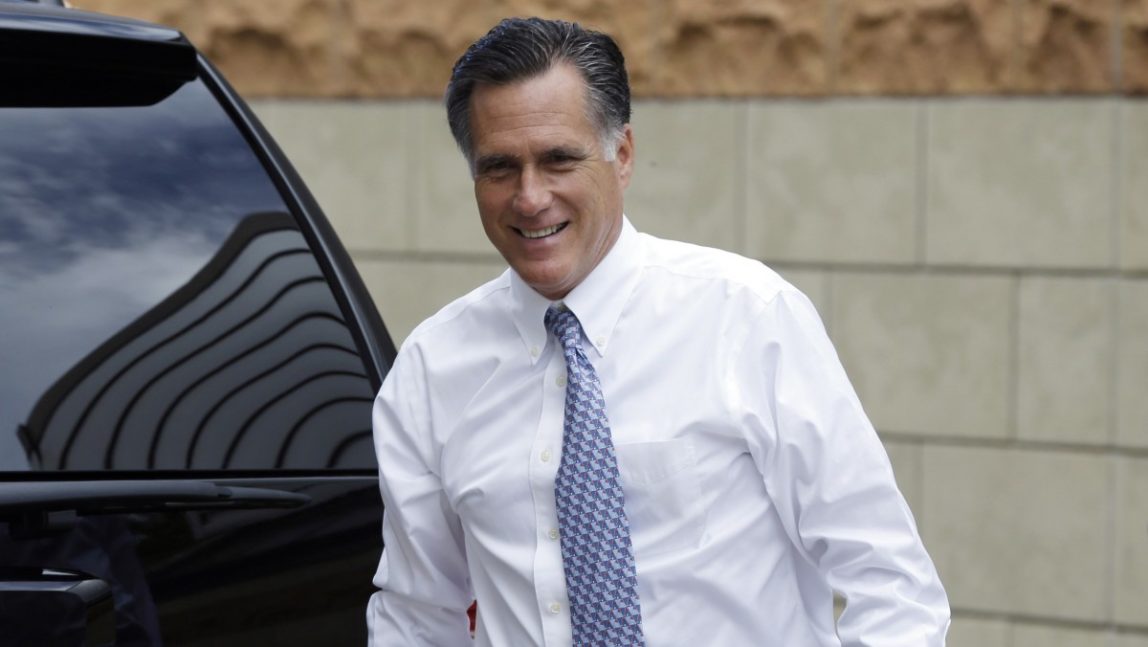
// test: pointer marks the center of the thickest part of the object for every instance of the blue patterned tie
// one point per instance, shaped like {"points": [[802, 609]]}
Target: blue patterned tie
{"points": [[601, 576]]}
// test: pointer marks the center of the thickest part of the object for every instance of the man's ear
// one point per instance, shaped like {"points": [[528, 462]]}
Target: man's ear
{"points": [[624, 156]]}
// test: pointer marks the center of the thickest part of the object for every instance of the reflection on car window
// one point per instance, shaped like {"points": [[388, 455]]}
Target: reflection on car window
{"points": [[158, 307]]}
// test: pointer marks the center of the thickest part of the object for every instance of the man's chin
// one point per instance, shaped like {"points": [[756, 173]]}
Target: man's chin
{"points": [[549, 286]]}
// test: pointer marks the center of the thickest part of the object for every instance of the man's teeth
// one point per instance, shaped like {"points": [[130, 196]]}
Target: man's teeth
{"points": [[540, 233]]}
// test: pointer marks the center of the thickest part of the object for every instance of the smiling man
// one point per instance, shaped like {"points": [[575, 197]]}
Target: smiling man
{"points": [[623, 440], [548, 182]]}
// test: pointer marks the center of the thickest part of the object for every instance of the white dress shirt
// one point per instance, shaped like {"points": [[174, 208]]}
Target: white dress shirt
{"points": [[755, 485]]}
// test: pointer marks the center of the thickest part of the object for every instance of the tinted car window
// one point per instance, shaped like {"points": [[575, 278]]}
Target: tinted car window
{"points": [[159, 307]]}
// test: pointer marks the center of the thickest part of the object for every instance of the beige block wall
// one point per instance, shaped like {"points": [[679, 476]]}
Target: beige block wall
{"points": [[974, 261], [982, 194]]}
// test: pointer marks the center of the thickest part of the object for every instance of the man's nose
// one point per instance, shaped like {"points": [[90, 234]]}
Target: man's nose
{"points": [[532, 196]]}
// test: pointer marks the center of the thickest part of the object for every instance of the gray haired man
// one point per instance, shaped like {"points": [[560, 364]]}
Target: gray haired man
{"points": [[623, 440]]}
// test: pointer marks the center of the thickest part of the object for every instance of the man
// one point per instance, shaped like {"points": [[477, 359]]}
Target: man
{"points": [[623, 440]]}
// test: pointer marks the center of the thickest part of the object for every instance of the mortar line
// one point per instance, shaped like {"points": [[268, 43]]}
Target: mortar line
{"points": [[829, 285], [1014, 358], [1116, 125], [921, 205], [957, 269], [742, 204], [985, 442], [1051, 621], [1116, 466], [1112, 478]]}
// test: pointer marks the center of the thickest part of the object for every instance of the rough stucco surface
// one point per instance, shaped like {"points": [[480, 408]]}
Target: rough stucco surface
{"points": [[681, 48], [926, 46], [1134, 46], [742, 47], [401, 48], [1066, 46]]}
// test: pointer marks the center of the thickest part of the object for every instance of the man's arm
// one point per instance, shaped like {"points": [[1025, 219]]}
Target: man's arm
{"points": [[423, 585], [829, 476]]}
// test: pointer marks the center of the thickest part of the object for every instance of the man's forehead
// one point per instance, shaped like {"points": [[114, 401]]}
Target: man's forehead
{"points": [[539, 112], [558, 91]]}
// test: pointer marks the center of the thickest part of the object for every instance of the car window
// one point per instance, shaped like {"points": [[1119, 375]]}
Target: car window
{"points": [[159, 307]]}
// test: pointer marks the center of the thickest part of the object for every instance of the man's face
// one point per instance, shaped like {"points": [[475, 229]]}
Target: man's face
{"points": [[550, 201]]}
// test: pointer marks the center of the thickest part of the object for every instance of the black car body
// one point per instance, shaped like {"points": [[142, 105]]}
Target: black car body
{"points": [[187, 358]]}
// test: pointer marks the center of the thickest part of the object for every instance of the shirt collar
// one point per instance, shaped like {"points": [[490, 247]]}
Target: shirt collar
{"points": [[597, 301]]}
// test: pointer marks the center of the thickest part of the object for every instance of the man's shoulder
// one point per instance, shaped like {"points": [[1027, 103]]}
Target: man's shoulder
{"points": [[712, 267], [482, 302]]}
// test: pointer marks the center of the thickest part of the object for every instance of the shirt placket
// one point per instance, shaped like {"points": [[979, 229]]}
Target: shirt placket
{"points": [[549, 578]]}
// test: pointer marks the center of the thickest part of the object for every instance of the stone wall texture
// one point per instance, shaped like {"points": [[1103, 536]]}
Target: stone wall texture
{"points": [[681, 48], [981, 262]]}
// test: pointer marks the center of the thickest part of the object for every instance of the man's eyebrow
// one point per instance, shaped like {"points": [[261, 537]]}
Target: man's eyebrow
{"points": [[564, 153], [496, 160]]}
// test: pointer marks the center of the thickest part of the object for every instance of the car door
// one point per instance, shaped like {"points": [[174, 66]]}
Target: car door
{"points": [[187, 359]]}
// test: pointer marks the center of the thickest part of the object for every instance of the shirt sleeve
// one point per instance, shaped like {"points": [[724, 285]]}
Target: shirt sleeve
{"points": [[830, 478], [424, 588]]}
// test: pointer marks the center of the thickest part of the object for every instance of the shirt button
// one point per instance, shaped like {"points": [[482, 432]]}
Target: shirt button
{"points": [[555, 608], [545, 456], [534, 351], [601, 341], [560, 381], [553, 533]]}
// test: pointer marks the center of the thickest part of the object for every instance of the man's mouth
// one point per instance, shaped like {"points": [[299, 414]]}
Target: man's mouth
{"points": [[541, 233]]}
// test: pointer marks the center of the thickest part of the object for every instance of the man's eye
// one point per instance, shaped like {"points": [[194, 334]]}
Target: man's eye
{"points": [[561, 160], [495, 169]]}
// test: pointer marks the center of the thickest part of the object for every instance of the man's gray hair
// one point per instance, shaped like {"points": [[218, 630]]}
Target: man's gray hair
{"points": [[518, 49]]}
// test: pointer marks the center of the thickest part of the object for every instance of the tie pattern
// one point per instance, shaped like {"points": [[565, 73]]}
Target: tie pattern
{"points": [[597, 554]]}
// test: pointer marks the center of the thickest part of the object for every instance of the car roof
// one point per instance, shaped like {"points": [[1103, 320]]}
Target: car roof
{"points": [[48, 17], [40, 40], [58, 3]]}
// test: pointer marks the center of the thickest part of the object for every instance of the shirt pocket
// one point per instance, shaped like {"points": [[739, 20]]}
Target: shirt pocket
{"points": [[663, 495]]}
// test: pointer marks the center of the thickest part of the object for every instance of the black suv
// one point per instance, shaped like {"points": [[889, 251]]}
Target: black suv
{"points": [[187, 358]]}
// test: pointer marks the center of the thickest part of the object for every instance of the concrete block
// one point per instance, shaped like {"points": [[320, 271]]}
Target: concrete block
{"points": [[833, 182], [1020, 183], [1026, 635], [977, 632], [1132, 364], [688, 179], [353, 158], [928, 354], [1134, 183], [445, 215], [1131, 586], [1020, 531], [1065, 367], [1130, 640], [408, 291]]}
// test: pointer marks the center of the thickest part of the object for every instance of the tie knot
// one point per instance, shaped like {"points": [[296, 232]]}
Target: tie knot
{"points": [[564, 325]]}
